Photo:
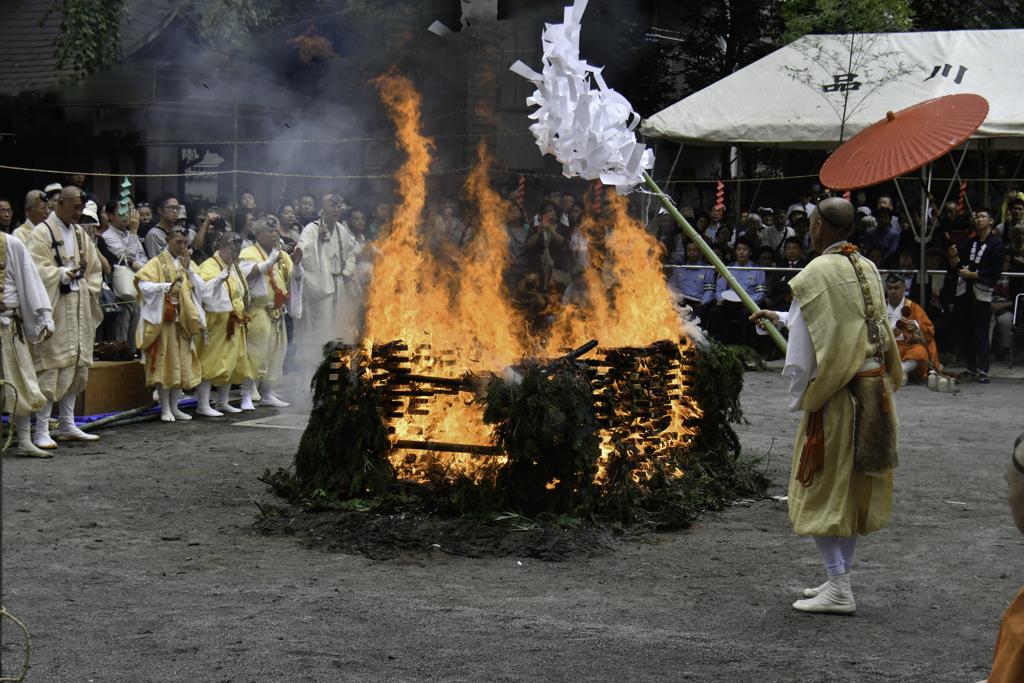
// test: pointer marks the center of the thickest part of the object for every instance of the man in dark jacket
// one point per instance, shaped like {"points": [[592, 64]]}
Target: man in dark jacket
{"points": [[978, 262]]}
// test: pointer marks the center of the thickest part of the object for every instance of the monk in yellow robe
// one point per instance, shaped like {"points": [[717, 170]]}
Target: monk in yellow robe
{"points": [[913, 330], [275, 281], [844, 368], [172, 316], [224, 358], [69, 267]]}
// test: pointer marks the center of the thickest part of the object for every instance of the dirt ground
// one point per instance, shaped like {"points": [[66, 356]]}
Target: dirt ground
{"points": [[143, 558]]}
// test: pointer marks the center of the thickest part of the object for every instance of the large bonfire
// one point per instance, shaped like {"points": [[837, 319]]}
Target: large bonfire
{"points": [[456, 316], [406, 404]]}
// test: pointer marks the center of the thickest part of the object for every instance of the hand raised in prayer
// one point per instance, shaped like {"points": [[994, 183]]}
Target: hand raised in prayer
{"points": [[296, 255], [184, 259], [762, 315]]}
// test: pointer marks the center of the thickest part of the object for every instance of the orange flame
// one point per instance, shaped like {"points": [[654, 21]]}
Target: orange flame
{"points": [[312, 47], [456, 318]]}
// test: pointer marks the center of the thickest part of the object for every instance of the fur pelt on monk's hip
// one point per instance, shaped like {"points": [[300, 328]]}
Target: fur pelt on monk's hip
{"points": [[874, 429]]}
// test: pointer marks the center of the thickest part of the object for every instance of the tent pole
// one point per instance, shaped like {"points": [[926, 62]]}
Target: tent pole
{"points": [[956, 177], [986, 152], [920, 236], [924, 224], [757, 190], [671, 171], [736, 177]]}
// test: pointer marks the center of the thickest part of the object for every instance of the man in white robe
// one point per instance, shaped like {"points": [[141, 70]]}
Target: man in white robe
{"points": [[69, 267], [329, 274], [25, 318]]}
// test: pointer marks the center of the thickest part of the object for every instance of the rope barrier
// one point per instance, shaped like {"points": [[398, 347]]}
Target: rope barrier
{"points": [[28, 645]]}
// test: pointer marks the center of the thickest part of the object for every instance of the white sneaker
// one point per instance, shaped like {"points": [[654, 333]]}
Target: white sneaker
{"points": [[813, 592], [836, 598]]}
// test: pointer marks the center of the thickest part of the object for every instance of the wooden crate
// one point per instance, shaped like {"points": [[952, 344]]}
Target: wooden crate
{"points": [[114, 386]]}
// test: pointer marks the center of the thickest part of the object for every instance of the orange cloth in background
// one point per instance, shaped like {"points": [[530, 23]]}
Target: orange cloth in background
{"points": [[911, 349], [1008, 662]]}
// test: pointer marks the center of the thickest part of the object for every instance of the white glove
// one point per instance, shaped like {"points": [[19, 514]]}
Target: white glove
{"points": [[165, 287], [346, 273], [65, 277], [269, 263], [224, 275]]}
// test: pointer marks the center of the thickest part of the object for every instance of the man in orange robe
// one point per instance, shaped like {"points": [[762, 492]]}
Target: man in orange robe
{"points": [[914, 332], [1008, 661]]}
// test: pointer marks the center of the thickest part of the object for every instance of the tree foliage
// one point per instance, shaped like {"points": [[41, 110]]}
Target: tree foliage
{"points": [[954, 15], [725, 36], [90, 36], [845, 16]]}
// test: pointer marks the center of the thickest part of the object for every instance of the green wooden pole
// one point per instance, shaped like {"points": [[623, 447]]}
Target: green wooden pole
{"points": [[713, 258]]}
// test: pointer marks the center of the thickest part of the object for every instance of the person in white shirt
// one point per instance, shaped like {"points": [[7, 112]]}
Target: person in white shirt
{"points": [[122, 240], [26, 318], [329, 277]]}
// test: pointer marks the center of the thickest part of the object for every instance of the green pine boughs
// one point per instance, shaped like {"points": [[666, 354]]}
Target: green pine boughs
{"points": [[548, 429], [343, 451]]}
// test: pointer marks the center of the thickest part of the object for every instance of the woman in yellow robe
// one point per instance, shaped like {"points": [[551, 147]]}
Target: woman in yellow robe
{"points": [[169, 296]]}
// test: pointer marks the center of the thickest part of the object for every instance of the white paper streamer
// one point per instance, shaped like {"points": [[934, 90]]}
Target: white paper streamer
{"points": [[589, 131]]}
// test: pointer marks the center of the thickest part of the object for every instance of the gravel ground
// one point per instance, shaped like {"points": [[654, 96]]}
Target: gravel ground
{"points": [[142, 558]]}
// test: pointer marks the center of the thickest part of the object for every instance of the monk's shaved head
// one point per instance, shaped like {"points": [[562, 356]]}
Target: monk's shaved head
{"points": [[837, 212], [226, 237], [70, 192], [830, 222]]}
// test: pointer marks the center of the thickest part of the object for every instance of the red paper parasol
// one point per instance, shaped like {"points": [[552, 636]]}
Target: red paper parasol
{"points": [[904, 141]]}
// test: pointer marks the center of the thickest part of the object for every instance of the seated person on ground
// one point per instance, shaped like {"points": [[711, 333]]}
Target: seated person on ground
{"points": [[915, 335]]}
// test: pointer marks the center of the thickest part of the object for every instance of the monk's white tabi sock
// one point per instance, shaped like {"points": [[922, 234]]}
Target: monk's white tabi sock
{"points": [[223, 395], [174, 397], [268, 398], [42, 434], [165, 404], [26, 448], [203, 398], [247, 395], [66, 429]]}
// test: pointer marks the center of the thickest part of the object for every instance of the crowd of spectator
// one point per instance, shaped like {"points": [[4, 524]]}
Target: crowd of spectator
{"points": [[973, 313], [549, 253]]}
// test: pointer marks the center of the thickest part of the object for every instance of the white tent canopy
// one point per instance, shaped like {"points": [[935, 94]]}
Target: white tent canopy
{"points": [[795, 97]]}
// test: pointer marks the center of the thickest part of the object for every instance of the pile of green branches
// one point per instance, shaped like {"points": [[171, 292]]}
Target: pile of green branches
{"points": [[342, 451], [547, 427]]}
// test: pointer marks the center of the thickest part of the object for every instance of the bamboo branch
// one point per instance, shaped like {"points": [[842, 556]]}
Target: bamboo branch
{"points": [[773, 332]]}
